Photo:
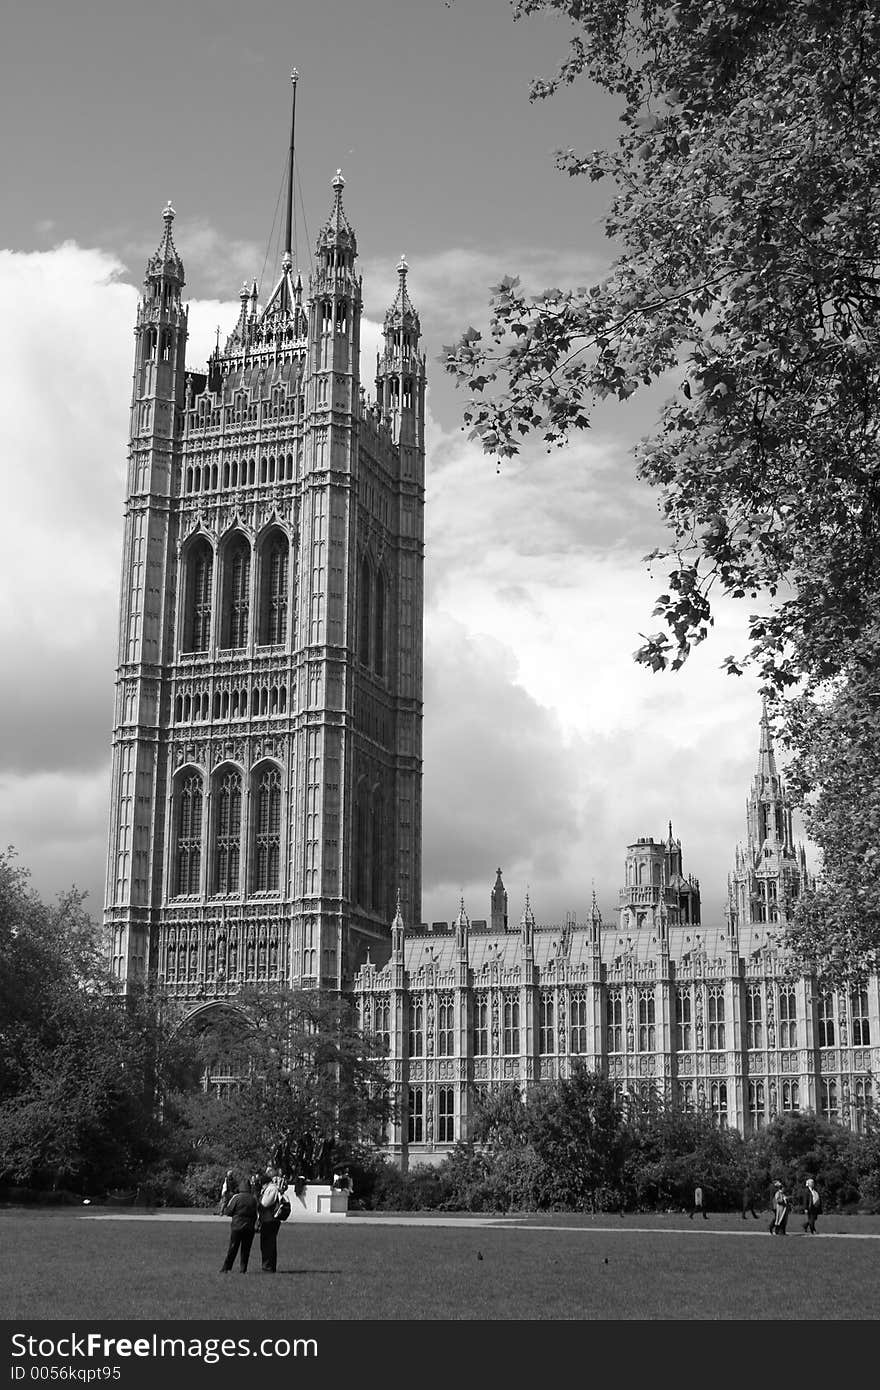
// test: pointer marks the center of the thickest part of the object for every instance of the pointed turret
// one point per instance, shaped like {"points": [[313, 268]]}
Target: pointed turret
{"points": [[462, 927], [766, 755], [527, 923], [400, 378], [165, 266], [337, 243], [770, 871], [398, 932], [499, 905]]}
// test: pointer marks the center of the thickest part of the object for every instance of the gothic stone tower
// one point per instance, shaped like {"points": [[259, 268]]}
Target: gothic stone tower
{"points": [[770, 870], [266, 779]]}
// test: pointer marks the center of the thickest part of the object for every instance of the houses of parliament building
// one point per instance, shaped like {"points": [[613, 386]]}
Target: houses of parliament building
{"points": [[266, 777]]}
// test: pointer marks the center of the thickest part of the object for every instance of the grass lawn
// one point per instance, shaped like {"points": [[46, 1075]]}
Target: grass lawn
{"points": [[59, 1265]]}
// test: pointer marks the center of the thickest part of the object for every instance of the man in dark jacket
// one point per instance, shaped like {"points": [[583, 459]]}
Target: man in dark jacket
{"points": [[243, 1210]]}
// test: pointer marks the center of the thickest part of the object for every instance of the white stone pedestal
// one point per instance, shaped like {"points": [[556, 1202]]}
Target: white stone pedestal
{"points": [[317, 1199]]}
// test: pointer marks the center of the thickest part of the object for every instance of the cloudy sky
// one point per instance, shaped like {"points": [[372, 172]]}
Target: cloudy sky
{"points": [[546, 748]]}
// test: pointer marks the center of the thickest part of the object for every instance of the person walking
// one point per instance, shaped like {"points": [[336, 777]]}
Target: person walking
{"points": [[271, 1198], [812, 1206], [748, 1203], [697, 1204], [243, 1210], [781, 1206]]}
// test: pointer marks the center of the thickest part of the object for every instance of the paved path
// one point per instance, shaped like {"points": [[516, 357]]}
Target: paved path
{"points": [[509, 1223]]}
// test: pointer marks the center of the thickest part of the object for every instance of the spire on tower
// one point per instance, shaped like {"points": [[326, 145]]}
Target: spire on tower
{"points": [[165, 263], [337, 233], [766, 754], [401, 313]]}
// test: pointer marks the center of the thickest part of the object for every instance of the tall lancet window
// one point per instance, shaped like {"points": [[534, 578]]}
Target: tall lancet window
{"points": [[189, 835], [267, 831], [364, 616], [379, 627], [273, 605], [200, 575], [227, 837], [236, 594]]}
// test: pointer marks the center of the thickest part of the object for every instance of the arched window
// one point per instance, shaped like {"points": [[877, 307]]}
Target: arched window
{"points": [[188, 848], [267, 831], [718, 1103], [716, 1018], [683, 1017], [416, 1029], [861, 1025], [510, 1037], [445, 1115], [787, 1016], [826, 1020], [578, 1016], [197, 601], [481, 1025], [236, 593], [790, 1097], [275, 561], [754, 1024], [445, 1025], [614, 1020], [227, 834], [379, 627], [364, 623], [828, 1100], [647, 1021], [547, 1031]]}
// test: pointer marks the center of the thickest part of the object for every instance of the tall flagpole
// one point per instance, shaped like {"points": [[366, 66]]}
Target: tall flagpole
{"points": [[288, 238]]}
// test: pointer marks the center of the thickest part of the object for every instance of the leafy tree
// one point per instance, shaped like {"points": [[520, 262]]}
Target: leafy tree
{"points": [[81, 1065], [307, 1071], [796, 1147], [744, 212], [674, 1150], [579, 1134], [836, 745]]}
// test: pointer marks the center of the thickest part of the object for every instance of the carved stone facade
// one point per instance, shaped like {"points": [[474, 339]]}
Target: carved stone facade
{"points": [[715, 1017], [266, 777]]}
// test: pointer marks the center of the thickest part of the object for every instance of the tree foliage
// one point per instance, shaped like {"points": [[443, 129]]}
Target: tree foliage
{"points": [[306, 1069], [744, 215], [745, 212], [81, 1065]]}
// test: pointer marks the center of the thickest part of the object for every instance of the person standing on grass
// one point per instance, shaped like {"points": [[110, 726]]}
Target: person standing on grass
{"points": [[697, 1204], [243, 1210], [812, 1206], [748, 1203], [781, 1206], [271, 1204]]}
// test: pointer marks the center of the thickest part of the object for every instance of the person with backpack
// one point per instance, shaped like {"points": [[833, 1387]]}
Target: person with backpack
{"points": [[274, 1208], [812, 1206]]}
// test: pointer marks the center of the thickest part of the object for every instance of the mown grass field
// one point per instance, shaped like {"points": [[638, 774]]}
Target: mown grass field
{"points": [[59, 1264]]}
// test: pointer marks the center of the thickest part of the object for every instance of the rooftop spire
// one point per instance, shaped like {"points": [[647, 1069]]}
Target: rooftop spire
{"points": [[166, 263], [337, 233], [766, 755], [402, 313]]}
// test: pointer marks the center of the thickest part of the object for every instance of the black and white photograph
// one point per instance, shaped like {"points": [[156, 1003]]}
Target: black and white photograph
{"points": [[440, 695]]}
